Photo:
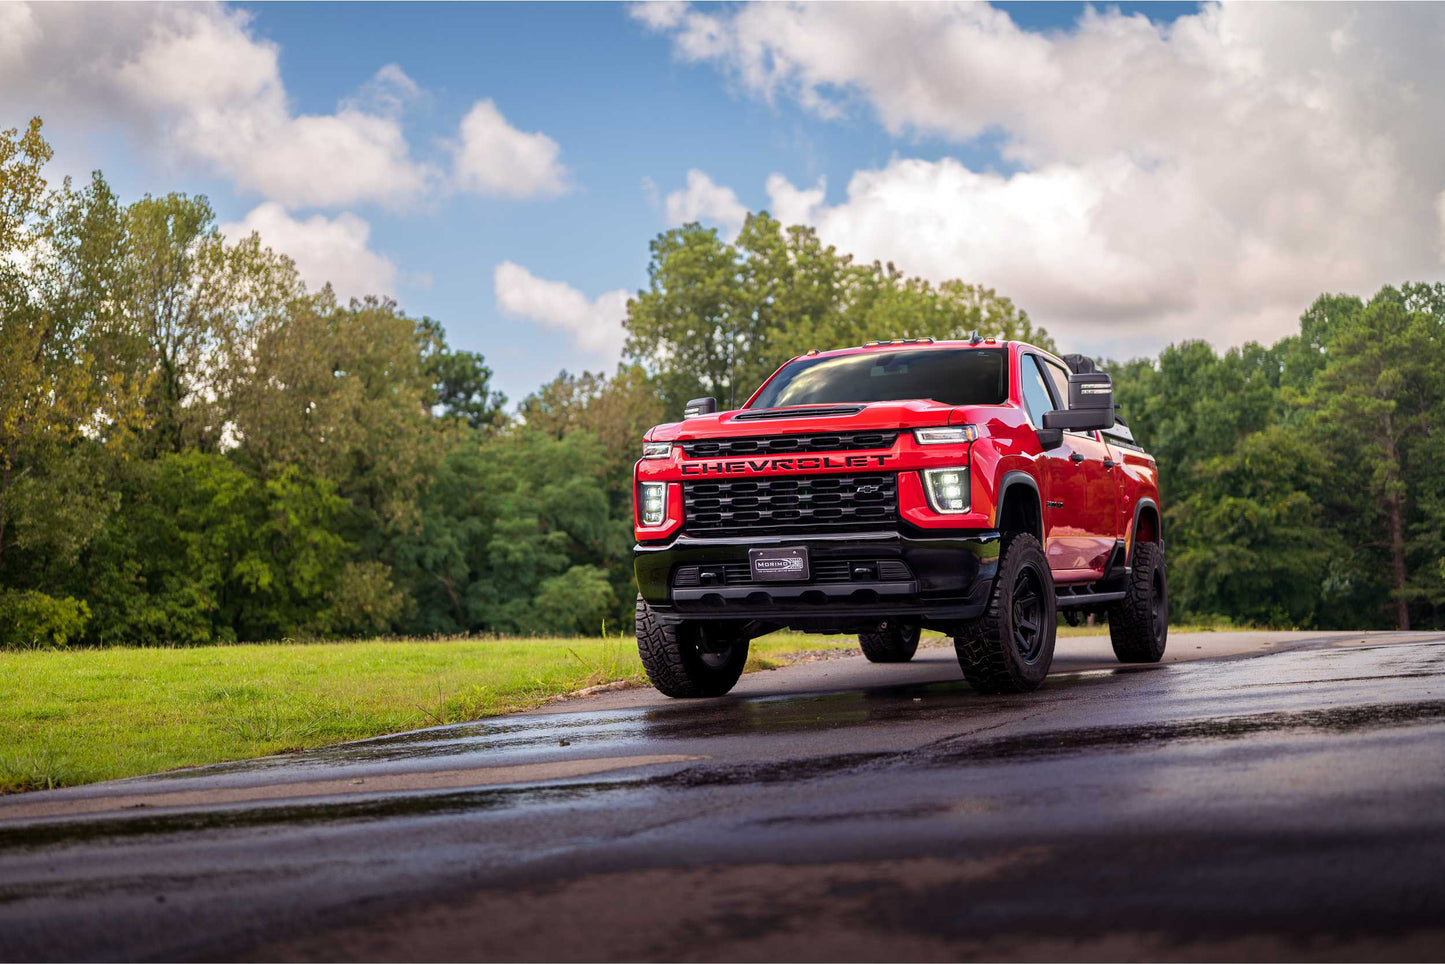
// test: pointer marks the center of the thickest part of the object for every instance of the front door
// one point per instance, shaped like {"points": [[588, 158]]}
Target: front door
{"points": [[1079, 522]]}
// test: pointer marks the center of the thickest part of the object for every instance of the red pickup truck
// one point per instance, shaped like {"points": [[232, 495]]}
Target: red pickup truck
{"points": [[974, 488]]}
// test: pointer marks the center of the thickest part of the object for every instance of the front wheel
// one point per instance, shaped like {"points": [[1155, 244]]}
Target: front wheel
{"points": [[1139, 624], [1011, 647], [691, 659]]}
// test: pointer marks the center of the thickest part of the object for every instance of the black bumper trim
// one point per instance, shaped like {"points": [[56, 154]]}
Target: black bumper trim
{"points": [[953, 574]]}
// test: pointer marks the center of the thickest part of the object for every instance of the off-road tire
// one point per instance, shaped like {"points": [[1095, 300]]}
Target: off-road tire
{"points": [[1139, 623], [895, 641], [991, 650], [677, 664]]}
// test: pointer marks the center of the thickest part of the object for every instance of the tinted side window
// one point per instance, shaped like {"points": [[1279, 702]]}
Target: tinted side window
{"points": [[1120, 434], [1036, 391], [1060, 378]]}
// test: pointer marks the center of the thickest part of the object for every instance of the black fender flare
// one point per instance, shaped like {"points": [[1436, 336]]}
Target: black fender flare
{"points": [[1011, 479], [1134, 529]]}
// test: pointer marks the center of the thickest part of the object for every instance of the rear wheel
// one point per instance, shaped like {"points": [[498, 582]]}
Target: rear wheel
{"points": [[894, 641], [1010, 648], [1139, 624], [689, 659]]}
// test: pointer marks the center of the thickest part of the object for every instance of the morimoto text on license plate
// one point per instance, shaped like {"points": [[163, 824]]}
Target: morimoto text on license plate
{"points": [[778, 565]]}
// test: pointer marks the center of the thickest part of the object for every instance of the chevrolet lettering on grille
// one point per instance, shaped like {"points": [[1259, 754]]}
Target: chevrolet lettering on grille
{"points": [[806, 463]]}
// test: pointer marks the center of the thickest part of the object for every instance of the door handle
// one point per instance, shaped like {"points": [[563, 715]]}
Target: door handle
{"points": [[1109, 463], [1076, 457]]}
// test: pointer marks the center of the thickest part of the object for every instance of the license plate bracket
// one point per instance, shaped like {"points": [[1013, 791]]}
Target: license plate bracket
{"points": [[789, 564]]}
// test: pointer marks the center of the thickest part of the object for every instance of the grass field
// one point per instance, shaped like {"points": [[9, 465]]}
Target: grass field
{"points": [[76, 716]]}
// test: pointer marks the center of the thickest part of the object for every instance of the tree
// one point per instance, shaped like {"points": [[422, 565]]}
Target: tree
{"points": [[717, 318], [502, 516], [64, 385], [1375, 405], [346, 393], [463, 389], [197, 303]]}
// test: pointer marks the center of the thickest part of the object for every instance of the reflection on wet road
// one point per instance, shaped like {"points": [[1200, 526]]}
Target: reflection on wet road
{"points": [[1287, 803]]}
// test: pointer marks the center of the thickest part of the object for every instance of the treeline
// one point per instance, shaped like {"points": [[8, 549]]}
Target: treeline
{"points": [[196, 448], [1304, 482]]}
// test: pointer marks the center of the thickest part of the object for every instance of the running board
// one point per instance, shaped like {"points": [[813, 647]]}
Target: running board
{"points": [[1065, 600]]}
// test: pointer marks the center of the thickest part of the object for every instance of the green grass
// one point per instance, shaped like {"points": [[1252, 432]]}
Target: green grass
{"points": [[76, 716]]}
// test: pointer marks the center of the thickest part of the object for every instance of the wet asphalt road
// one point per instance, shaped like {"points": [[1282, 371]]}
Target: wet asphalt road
{"points": [[1257, 796]]}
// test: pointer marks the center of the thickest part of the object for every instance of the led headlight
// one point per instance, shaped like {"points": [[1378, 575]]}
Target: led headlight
{"points": [[947, 489], [656, 450], [944, 435], [652, 502]]}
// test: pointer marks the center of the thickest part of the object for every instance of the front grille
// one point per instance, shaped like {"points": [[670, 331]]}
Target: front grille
{"points": [[810, 503], [821, 570], [711, 448]]}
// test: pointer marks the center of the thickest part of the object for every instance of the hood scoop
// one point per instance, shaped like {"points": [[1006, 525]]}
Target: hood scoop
{"points": [[829, 411]]}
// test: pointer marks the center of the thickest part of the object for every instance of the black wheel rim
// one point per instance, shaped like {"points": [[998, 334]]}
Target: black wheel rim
{"points": [[1028, 614], [1158, 605]]}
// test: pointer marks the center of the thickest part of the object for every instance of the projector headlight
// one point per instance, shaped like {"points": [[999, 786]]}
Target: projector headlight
{"points": [[652, 502], [944, 435], [947, 489], [656, 450]]}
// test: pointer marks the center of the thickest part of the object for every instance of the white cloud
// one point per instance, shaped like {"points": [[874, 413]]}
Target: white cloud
{"points": [[326, 250], [493, 157], [195, 80], [1203, 178], [702, 200], [595, 324]]}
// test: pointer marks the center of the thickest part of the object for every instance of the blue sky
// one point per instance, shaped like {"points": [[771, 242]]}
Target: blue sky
{"points": [[632, 109]]}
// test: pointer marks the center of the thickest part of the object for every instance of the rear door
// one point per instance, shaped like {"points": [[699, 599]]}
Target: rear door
{"points": [[1087, 522]]}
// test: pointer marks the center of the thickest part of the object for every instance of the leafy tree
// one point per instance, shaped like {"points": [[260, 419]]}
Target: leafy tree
{"points": [[718, 318], [1375, 404], [1247, 541], [62, 388], [202, 552], [346, 393], [197, 303], [502, 516], [462, 383]]}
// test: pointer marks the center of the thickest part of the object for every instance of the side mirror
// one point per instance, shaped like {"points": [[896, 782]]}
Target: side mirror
{"points": [[1091, 404], [703, 406]]}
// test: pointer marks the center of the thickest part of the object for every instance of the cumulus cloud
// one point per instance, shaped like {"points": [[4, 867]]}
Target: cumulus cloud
{"points": [[326, 250], [196, 81], [493, 157], [595, 324], [703, 200], [1206, 177]]}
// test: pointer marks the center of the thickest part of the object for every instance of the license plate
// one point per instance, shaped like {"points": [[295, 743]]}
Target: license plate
{"points": [[779, 565]]}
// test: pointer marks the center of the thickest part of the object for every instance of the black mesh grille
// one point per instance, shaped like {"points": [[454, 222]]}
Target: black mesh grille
{"points": [[811, 503], [787, 444], [822, 570]]}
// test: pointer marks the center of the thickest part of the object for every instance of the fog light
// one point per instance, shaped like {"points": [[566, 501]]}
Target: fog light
{"points": [[652, 496], [947, 489]]}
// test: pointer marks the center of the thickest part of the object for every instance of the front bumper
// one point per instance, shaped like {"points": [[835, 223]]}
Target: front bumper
{"points": [[944, 578]]}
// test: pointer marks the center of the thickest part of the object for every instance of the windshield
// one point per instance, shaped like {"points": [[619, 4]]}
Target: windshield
{"points": [[961, 376]]}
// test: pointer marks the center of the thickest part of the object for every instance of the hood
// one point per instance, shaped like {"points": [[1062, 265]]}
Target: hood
{"points": [[806, 419]]}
